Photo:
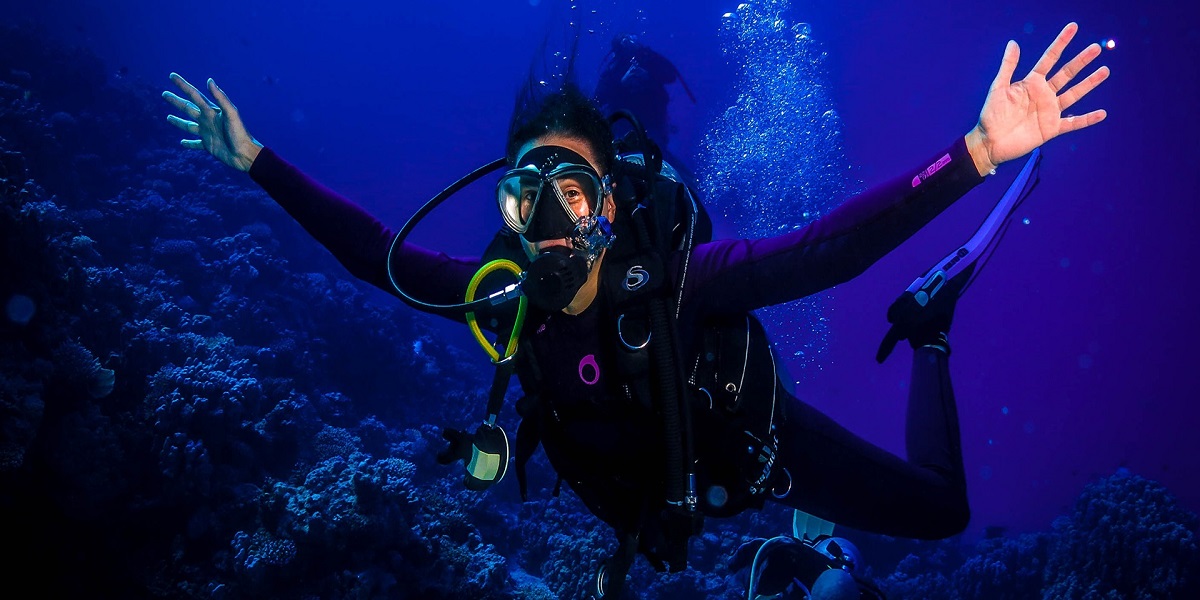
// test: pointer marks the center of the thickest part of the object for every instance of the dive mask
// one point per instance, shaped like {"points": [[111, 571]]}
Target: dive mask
{"points": [[544, 196]]}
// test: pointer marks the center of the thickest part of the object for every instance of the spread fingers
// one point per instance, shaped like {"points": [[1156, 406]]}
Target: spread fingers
{"points": [[1081, 89], [1073, 68]]}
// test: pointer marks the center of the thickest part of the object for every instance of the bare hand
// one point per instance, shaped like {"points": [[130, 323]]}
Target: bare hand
{"points": [[219, 126], [1018, 117]]}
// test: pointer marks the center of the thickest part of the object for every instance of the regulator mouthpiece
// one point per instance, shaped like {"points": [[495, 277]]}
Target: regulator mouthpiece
{"points": [[554, 277]]}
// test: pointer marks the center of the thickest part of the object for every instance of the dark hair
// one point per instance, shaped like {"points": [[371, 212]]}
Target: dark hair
{"points": [[566, 111]]}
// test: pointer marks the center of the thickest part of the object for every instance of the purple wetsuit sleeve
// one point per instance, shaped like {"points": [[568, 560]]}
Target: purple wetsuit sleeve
{"points": [[737, 275], [357, 239]]}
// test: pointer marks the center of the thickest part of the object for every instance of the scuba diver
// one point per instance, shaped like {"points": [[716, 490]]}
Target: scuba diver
{"points": [[634, 77], [653, 391]]}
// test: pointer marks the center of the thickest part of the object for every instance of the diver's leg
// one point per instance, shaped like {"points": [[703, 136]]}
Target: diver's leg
{"points": [[932, 438], [840, 477]]}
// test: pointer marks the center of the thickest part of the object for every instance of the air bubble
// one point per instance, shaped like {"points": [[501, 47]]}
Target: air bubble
{"points": [[776, 153]]}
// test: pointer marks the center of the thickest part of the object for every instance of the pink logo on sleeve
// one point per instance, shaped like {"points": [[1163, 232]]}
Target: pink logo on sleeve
{"points": [[934, 168]]}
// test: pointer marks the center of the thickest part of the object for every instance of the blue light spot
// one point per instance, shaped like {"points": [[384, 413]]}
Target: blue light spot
{"points": [[1085, 361], [20, 309], [1064, 262], [985, 472], [1028, 28], [1029, 427], [1004, 410]]}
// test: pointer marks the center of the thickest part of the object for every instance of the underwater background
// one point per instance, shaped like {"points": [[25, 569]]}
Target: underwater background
{"points": [[197, 401]]}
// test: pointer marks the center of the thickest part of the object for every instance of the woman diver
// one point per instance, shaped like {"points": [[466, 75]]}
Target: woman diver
{"points": [[600, 420]]}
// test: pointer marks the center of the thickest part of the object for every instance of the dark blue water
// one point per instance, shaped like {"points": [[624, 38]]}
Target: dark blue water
{"points": [[1072, 351]]}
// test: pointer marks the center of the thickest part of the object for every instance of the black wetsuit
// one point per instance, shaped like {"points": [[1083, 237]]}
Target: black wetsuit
{"points": [[837, 475]]}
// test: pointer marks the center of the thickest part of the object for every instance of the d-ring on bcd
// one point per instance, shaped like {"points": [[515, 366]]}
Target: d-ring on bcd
{"points": [[621, 336], [783, 495]]}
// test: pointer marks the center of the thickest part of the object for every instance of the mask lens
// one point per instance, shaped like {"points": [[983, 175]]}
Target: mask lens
{"points": [[578, 190], [518, 193], [579, 193]]}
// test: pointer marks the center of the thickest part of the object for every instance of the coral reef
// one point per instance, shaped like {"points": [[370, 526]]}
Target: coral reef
{"points": [[919, 576], [1127, 538], [1004, 568]]}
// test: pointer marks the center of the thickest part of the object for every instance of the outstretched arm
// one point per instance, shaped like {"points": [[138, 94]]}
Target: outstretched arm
{"points": [[731, 275], [356, 238], [1020, 116], [737, 275]]}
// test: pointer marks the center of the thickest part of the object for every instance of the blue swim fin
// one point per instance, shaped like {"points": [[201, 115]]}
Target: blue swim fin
{"points": [[933, 293]]}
